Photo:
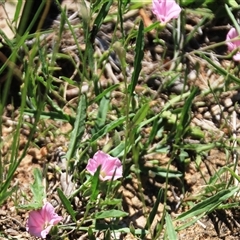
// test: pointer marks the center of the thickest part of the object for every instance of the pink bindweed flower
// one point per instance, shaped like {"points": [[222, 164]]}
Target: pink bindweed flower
{"points": [[42, 220], [165, 10], [111, 167], [233, 44]]}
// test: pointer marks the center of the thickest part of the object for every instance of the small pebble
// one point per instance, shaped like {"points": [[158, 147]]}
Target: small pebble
{"points": [[200, 104], [3, 213], [207, 115], [217, 117], [231, 109], [202, 109], [209, 72], [217, 109], [12, 232], [192, 75], [228, 102]]}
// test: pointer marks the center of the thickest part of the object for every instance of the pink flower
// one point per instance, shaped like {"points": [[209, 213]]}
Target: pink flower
{"points": [[42, 220], [233, 44], [165, 10], [111, 168]]}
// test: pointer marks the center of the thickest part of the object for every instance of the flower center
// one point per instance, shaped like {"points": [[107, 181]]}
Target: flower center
{"points": [[103, 174], [46, 224]]}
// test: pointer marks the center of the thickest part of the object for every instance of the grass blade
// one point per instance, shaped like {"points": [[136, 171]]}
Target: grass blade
{"points": [[209, 204], [171, 233], [110, 214], [66, 204], [139, 52], [102, 112], [79, 127], [153, 213], [185, 116]]}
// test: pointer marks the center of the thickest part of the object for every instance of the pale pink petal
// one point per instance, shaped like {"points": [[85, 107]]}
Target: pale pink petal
{"points": [[117, 172], [101, 157], [173, 11], [165, 10], [35, 231], [92, 166], [35, 219], [112, 167], [236, 57], [46, 231], [233, 44], [230, 35], [49, 214], [41, 221], [47, 211], [35, 223], [108, 165]]}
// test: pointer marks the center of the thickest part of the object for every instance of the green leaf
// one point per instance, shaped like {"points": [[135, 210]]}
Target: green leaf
{"points": [[114, 201], [140, 115], [91, 235], [103, 93], [66, 203], [153, 213], [163, 172], [37, 188], [139, 52], [101, 16], [209, 204], [185, 117], [221, 70], [233, 173], [171, 233], [4, 195], [108, 128], [79, 127], [55, 115], [198, 148], [95, 185], [232, 3], [110, 214], [102, 112], [38, 192], [235, 23]]}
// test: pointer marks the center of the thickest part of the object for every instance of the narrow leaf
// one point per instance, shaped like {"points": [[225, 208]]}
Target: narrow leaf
{"points": [[100, 17], [208, 204], [139, 52], [185, 117], [141, 114], [108, 128], [110, 214], [95, 184], [153, 213], [171, 233], [79, 127], [66, 203], [102, 112], [37, 188]]}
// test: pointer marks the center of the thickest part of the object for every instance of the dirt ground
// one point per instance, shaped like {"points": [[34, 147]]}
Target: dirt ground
{"points": [[44, 152]]}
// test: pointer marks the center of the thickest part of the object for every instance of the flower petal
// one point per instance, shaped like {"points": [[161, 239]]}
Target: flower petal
{"points": [[165, 10], [109, 166], [46, 231], [236, 57], [49, 214], [232, 33], [40, 221], [35, 231], [35, 223]]}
